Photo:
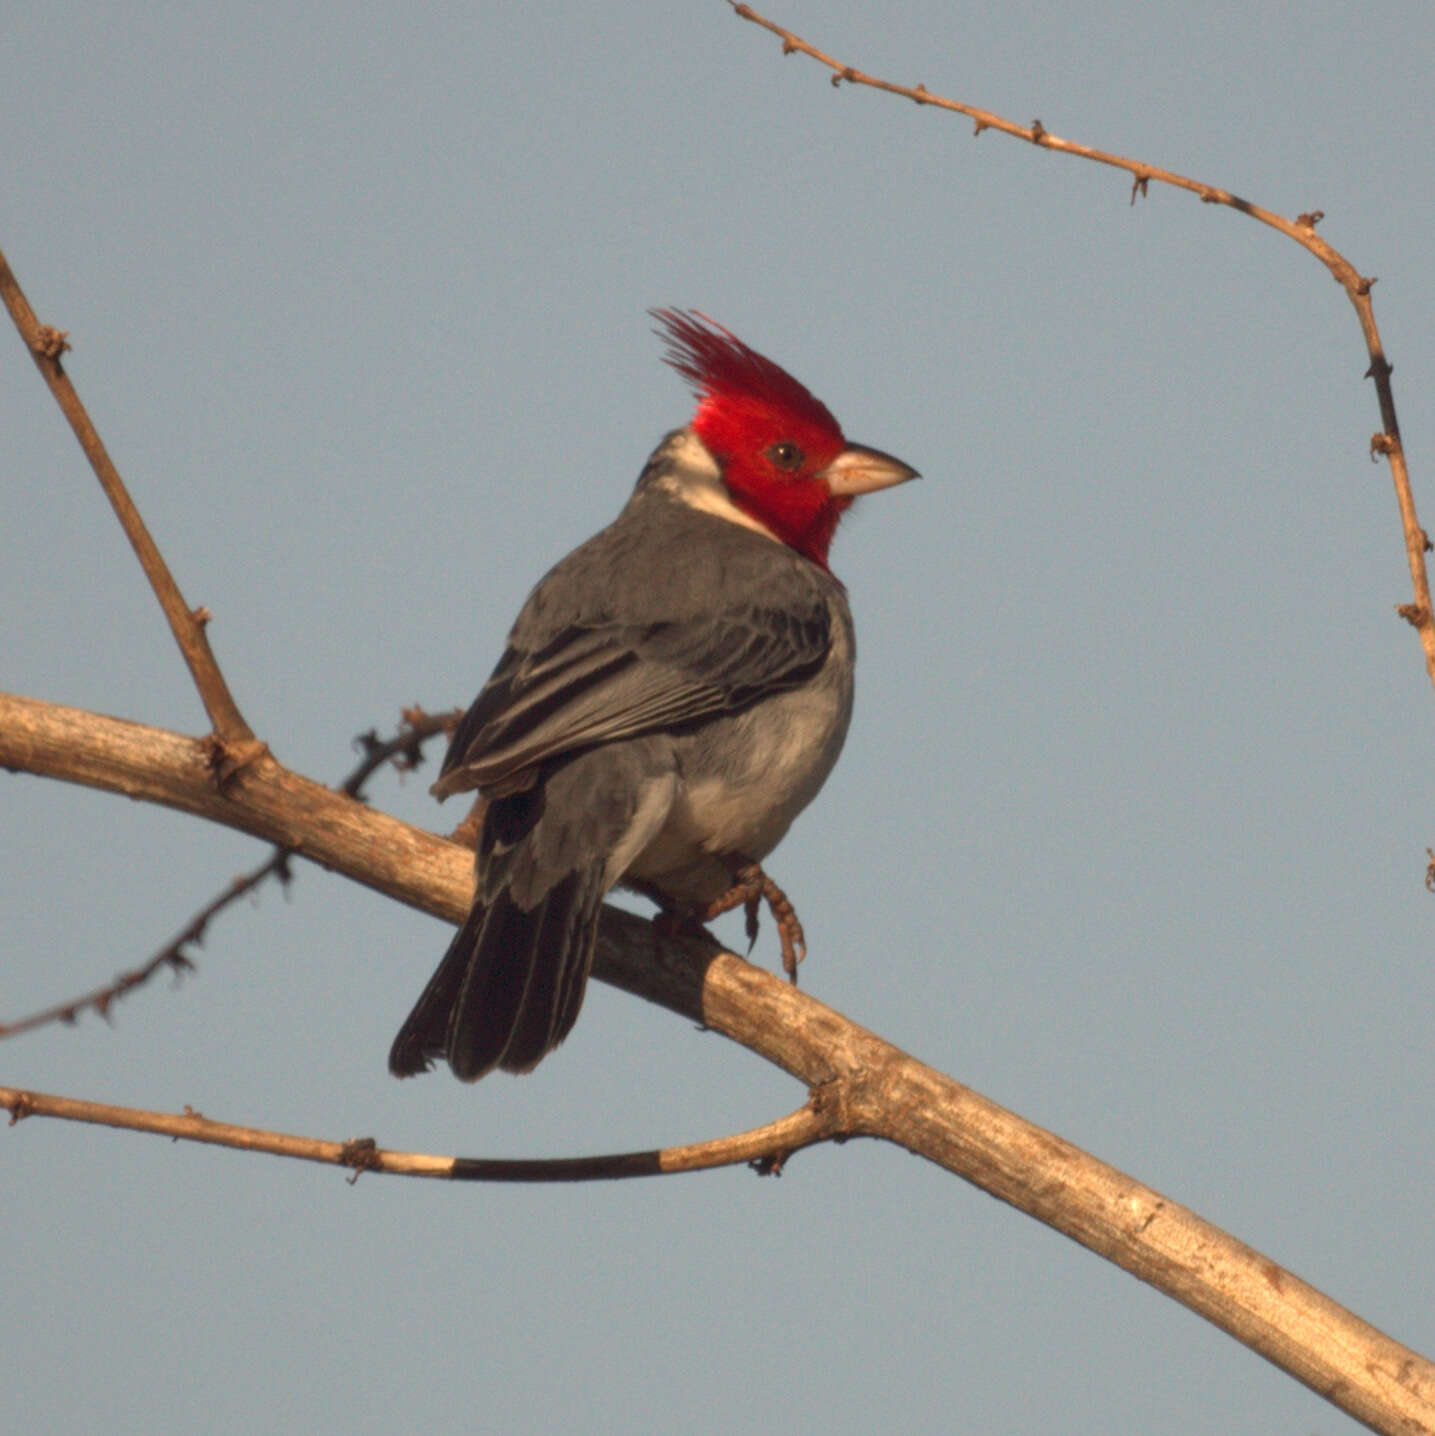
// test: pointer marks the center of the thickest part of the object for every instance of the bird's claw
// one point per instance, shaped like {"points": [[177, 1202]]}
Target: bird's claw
{"points": [[751, 888], [750, 908]]}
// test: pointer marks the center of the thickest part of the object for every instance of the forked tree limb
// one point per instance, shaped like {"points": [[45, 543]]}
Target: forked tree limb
{"points": [[404, 750], [868, 1087]]}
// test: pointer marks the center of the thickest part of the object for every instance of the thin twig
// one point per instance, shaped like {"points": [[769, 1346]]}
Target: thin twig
{"points": [[235, 743], [171, 956], [764, 1148], [1386, 441], [404, 750]]}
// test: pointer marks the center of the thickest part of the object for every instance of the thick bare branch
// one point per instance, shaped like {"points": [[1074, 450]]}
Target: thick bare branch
{"points": [[869, 1088], [404, 750], [265, 799]]}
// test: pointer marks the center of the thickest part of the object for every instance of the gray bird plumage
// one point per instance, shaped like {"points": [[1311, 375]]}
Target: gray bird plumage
{"points": [[672, 694]]}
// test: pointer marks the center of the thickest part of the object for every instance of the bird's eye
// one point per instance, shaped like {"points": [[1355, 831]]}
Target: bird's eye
{"points": [[786, 455]]}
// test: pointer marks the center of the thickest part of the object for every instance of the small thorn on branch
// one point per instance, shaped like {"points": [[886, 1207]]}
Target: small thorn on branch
{"points": [[919, 95], [1366, 285], [1380, 444], [1429, 884], [1139, 183], [1415, 614], [1038, 135], [50, 342], [978, 126], [201, 615], [177, 963], [1310, 218]]}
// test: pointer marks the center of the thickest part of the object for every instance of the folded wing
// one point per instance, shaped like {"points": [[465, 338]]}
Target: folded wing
{"points": [[600, 681]]}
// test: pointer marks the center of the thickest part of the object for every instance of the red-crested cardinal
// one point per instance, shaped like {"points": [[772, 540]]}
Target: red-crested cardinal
{"points": [[672, 695]]}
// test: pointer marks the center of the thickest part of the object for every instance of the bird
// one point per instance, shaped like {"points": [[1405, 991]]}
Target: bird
{"points": [[672, 694]]}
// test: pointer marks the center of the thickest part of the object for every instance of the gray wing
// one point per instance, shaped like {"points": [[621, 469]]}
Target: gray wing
{"points": [[711, 619], [595, 684]]}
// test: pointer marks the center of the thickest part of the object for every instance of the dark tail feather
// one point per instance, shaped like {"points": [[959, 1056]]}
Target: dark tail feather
{"points": [[562, 954], [510, 1010], [509, 987], [424, 1035]]}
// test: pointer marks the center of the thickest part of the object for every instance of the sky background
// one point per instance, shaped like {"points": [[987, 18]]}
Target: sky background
{"points": [[1130, 830]]}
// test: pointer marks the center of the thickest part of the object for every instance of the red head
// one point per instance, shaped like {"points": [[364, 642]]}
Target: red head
{"points": [[784, 459]]}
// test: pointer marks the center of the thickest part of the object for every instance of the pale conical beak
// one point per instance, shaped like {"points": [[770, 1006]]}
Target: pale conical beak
{"points": [[858, 470]]}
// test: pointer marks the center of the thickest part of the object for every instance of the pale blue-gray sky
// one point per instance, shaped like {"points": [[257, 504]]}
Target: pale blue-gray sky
{"points": [[1131, 825]]}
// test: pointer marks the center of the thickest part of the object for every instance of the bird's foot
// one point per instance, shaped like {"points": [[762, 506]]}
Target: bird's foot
{"points": [[751, 888]]}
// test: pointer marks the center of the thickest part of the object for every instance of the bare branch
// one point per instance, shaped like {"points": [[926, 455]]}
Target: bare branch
{"points": [[235, 743], [171, 955], [1357, 286], [265, 800], [868, 1087], [404, 750], [764, 1148]]}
